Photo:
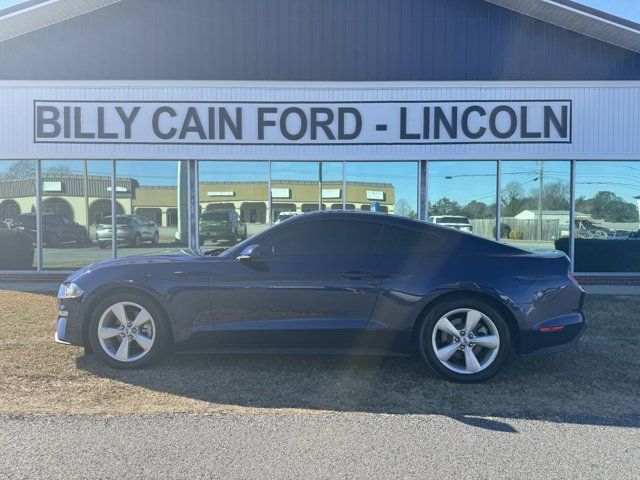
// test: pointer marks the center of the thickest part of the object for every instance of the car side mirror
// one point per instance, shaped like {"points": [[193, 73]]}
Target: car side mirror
{"points": [[252, 252]]}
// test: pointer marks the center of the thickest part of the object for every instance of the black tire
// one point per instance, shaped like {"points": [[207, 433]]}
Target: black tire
{"points": [[53, 240], [426, 349], [82, 239], [162, 341], [102, 245]]}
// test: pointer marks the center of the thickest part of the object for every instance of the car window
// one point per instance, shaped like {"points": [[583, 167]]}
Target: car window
{"points": [[324, 238], [214, 216], [408, 241]]}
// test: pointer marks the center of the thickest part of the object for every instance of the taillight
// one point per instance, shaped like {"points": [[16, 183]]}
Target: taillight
{"points": [[556, 328]]}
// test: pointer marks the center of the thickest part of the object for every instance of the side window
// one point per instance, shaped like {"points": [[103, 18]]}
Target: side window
{"points": [[324, 238], [408, 241]]}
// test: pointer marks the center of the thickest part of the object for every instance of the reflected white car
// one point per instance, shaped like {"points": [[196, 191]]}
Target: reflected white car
{"points": [[454, 221], [282, 216]]}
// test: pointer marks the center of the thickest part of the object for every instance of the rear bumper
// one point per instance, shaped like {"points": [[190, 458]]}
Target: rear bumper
{"points": [[570, 331], [120, 237]]}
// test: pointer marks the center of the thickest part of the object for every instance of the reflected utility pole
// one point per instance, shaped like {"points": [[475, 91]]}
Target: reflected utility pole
{"points": [[86, 194], [320, 184], [540, 173]]}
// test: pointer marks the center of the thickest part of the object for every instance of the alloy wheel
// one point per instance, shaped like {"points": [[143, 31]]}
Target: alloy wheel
{"points": [[126, 331], [465, 341]]}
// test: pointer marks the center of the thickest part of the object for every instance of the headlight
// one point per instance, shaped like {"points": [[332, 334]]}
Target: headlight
{"points": [[69, 290]]}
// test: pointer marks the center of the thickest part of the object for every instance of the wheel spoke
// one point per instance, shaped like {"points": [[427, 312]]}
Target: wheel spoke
{"points": [[445, 353], [471, 361], [446, 326], [142, 318], [123, 350], [119, 312], [108, 332], [473, 317], [487, 341], [144, 342]]}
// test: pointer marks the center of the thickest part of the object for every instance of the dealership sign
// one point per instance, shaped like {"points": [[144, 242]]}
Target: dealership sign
{"points": [[319, 121], [304, 123]]}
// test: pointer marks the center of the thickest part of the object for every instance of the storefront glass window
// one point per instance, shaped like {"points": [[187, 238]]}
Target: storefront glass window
{"points": [[17, 215], [606, 218], [295, 189], [76, 197], [154, 202], [462, 195], [535, 203], [389, 187], [234, 201]]}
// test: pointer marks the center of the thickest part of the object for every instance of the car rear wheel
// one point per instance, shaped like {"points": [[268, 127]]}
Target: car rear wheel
{"points": [[128, 331], [464, 340]]}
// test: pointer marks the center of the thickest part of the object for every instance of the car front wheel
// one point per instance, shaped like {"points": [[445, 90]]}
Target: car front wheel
{"points": [[128, 331], [464, 340]]}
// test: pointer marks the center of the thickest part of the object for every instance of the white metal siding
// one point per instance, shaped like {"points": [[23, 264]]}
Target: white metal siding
{"points": [[606, 118]]}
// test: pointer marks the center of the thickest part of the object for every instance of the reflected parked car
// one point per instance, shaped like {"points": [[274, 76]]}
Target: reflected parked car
{"points": [[282, 216], [453, 221], [130, 229], [56, 229], [335, 281], [221, 224]]}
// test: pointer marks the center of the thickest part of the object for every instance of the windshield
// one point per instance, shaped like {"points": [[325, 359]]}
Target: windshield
{"points": [[215, 216], [26, 219], [124, 220]]}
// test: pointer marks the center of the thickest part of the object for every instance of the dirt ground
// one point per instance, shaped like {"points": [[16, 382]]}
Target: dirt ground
{"points": [[598, 380]]}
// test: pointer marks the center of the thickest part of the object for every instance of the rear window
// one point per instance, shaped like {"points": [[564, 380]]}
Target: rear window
{"points": [[408, 241], [215, 216], [452, 220], [119, 220]]}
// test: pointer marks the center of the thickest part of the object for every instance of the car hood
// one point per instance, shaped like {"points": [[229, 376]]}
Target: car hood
{"points": [[177, 256]]}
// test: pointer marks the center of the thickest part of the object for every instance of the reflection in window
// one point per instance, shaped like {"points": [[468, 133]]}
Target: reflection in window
{"points": [[462, 195], [153, 202], [75, 193], [606, 218], [17, 214], [234, 201], [535, 202], [389, 187], [295, 187]]}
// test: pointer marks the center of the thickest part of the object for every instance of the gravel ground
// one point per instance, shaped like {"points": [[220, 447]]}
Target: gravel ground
{"points": [[65, 415], [598, 379], [313, 446]]}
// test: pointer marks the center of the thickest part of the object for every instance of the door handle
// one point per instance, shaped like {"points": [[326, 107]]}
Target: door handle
{"points": [[359, 275]]}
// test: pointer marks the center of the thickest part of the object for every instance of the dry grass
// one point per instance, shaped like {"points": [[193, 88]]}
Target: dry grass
{"points": [[599, 381]]}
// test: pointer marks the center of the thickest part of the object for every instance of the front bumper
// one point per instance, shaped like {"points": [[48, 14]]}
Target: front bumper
{"points": [[69, 323]]}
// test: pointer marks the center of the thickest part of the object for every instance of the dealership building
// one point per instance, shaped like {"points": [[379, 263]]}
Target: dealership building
{"points": [[521, 118]]}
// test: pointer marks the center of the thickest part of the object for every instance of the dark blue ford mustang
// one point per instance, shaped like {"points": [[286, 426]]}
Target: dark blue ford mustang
{"points": [[332, 282]]}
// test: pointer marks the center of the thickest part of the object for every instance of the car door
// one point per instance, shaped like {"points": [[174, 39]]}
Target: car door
{"points": [[316, 285]]}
